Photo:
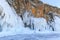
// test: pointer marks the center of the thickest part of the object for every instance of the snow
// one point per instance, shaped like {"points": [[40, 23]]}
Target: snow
{"points": [[12, 24], [57, 24], [39, 23], [26, 18]]}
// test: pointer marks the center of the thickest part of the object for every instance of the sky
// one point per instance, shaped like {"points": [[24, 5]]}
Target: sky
{"points": [[52, 2]]}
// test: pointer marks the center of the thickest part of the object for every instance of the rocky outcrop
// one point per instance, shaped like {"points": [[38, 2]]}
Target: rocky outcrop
{"points": [[36, 9], [1, 10]]}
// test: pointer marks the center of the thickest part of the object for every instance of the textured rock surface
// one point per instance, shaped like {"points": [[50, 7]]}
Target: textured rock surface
{"points": [[21, 5]]}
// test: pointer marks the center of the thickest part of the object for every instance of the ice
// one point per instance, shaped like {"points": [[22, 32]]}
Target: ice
{"points": [[12, 24], [32, 37], [26, 18], [39, 24], [57, 24]]}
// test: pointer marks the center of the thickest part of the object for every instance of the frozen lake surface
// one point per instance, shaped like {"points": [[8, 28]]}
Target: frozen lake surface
{"points": [[32, 37]]}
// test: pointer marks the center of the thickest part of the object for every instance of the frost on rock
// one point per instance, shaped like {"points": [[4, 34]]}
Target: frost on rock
{"points": [[27, 19], [11, 23], [39, 24], [8, 19]]}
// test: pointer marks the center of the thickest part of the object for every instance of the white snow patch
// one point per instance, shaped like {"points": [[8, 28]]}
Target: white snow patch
{"points": [[57, 24]]}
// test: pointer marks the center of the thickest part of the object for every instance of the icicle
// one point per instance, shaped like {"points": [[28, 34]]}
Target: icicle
{"points": [[51, 21]]}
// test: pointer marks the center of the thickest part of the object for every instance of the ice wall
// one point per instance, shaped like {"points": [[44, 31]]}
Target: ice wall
{"points": [[10, 20]]}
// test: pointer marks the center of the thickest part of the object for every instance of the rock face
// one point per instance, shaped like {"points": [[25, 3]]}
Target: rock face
{"points": [[34, 8], [1, 10], [37, 8]]}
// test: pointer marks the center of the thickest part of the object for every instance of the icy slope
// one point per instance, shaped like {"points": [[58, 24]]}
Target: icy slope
{"points": [[10, 23]]}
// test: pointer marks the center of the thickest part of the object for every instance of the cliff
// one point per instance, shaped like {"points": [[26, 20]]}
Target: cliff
{"points": [[38, 8]]}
